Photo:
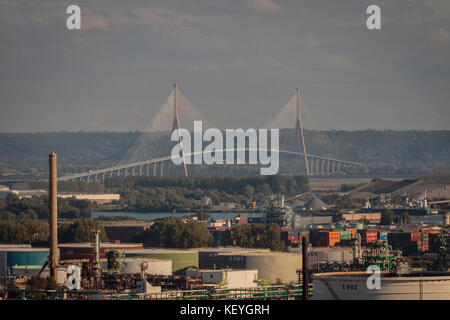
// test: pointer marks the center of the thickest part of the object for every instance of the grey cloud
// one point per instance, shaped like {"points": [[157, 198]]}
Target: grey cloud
{"points": [[236, 64]]}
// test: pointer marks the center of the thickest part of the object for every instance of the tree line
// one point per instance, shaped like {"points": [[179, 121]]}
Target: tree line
{"points": [[36, 207], [150, 194], [36, 232]]}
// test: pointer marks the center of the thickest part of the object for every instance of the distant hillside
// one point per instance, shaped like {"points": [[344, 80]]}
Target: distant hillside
{"points": [[437, 186], [384, 152]]}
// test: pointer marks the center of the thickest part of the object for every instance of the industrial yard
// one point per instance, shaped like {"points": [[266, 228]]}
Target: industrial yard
{"points": [[324, 252]]}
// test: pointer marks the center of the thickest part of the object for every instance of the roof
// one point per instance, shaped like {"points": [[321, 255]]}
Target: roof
{"points": [[102, 245], [21, 249]]}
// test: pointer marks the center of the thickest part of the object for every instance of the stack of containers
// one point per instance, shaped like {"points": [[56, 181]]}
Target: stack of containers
{"points": [[368, 236], [425, 241], [382, 235], [410, 242], [433, 242], [345, 237], [334, 237], [318, 238], [324, 238], [293, 237], [352, 231]]}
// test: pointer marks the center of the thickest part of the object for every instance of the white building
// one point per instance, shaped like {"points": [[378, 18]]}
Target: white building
{"points": [[227, 278]]}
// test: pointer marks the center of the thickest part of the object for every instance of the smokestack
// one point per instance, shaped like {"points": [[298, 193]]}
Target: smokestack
{"points": [[53, 217], [305, 273]]}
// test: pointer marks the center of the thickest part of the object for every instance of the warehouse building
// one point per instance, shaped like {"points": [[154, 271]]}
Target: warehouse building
{"points": [[85, 251]]}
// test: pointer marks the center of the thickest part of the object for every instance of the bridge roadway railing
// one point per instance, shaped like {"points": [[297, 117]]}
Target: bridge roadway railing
{"points": [[324, 161]]}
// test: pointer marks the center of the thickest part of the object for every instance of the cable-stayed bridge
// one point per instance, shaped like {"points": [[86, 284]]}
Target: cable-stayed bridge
{"points": [[150, 155]]}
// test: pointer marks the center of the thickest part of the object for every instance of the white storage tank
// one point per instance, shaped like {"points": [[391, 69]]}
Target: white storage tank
{"points": [[353, 286], [275, 266]]}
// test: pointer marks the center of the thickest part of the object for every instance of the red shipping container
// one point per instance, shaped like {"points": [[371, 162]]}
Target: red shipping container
{"points": [[416, 236]]}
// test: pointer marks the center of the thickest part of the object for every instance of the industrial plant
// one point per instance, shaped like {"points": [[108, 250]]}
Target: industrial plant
{"points": [[325, 255]]}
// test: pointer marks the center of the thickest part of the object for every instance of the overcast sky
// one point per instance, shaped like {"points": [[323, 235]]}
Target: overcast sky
{"points": [[238, 62]]}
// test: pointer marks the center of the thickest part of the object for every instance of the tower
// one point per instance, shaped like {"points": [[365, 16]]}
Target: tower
{"points": [[53, 217], [176, 126], [299, 131]]}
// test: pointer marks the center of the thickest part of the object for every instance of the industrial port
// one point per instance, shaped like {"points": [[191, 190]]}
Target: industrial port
{"points": [[325, 255]]}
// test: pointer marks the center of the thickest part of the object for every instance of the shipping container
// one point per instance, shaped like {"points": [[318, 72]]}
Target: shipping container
{"points": [[345, 235]]}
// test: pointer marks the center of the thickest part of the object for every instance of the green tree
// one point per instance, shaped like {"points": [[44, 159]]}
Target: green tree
{"points": [[387, 217], [258, 236], [81, 231], [174, 233]]}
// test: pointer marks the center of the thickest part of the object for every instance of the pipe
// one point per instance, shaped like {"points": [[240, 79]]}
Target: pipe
{"points": [[305, 273], [53, 216]]}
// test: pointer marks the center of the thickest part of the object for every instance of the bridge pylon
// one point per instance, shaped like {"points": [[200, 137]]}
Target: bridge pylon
{"points": [[299, 132], [176, 126]]}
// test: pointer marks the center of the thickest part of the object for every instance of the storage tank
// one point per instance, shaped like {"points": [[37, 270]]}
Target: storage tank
{"points": [[10, 257], [446, 219], [181, 259], [353, 286], [275, 265]]}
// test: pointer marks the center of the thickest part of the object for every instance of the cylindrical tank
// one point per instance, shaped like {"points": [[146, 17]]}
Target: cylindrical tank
{"points": [[275, 266], [21, 257], [354, 286], [446, 218]]}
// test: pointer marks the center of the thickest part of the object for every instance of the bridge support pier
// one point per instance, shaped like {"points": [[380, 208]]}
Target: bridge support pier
{"points": [[154, 169], [328, 167], [162, 169], [322, 171], [125, 172]]}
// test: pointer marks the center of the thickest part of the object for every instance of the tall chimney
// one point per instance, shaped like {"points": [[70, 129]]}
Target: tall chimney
{"points": [[53, 217], [305, 273]]}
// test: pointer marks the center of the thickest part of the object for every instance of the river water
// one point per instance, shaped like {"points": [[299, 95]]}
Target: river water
{"points": [[158, 215]]}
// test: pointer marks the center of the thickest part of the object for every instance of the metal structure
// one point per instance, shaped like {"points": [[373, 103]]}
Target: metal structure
{"points": [[288, 292]]}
